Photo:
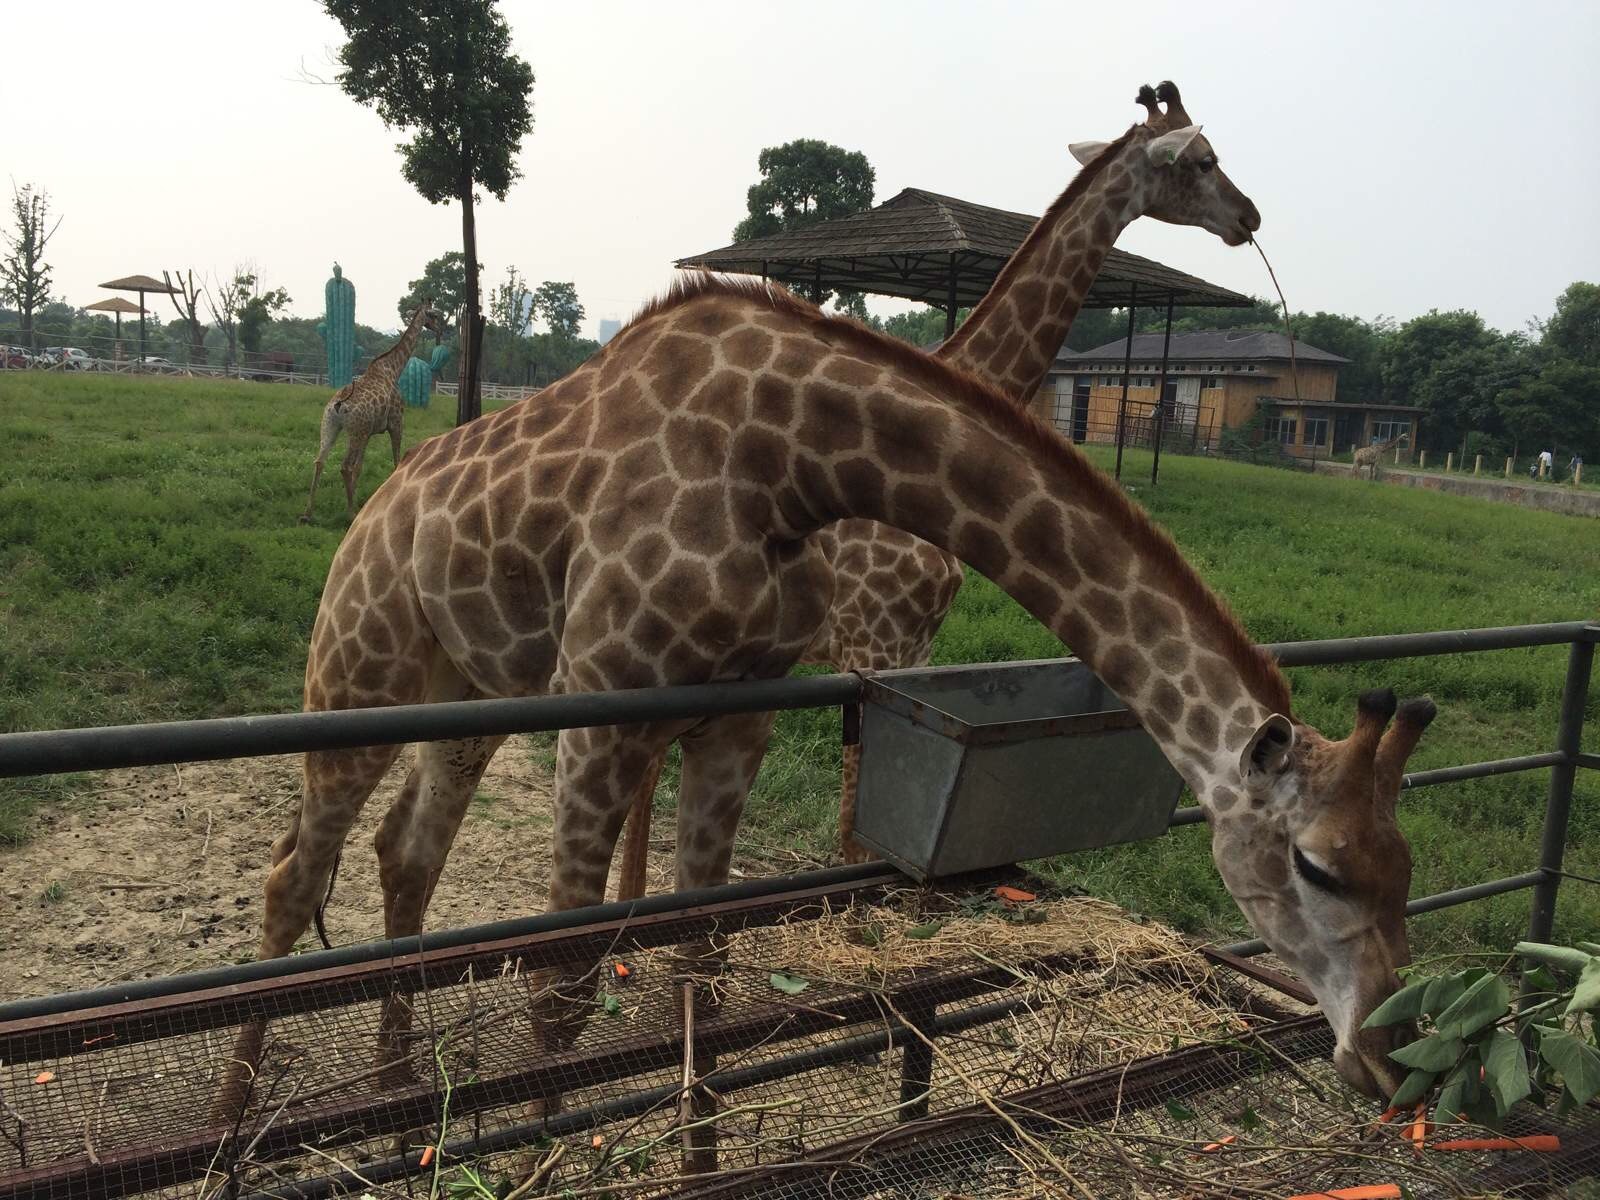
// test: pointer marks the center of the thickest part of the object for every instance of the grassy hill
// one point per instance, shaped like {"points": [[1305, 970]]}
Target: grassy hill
{"points": [[151, 567]]}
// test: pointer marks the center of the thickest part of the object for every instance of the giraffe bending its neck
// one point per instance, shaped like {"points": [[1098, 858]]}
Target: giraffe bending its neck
{"points": [[892, 590], [1368, 456], [368, 405], [647, 521]]}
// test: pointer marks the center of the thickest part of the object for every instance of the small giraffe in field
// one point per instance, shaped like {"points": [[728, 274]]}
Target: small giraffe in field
{"points": [[891, 589], [1368, 456], [368, 405], [648, 520]]}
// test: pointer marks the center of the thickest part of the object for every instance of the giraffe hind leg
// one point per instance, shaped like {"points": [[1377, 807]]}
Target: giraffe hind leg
{"points": [[332, 422], [351, 470]]}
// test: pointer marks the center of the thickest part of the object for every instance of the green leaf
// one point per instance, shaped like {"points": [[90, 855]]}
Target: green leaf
{"points": [[611, 1004], [1432, 1053], [1404, 1005], [923, 932], [1452, 1096], [1483, 1003], [1505, 1070], [1576, 1060], [1413, 1089], [789, 985], [1561, 957], [1179, 1111], [1591, 947], [1540, 980], [1442, 992], [1586, 996], [872, 935]]}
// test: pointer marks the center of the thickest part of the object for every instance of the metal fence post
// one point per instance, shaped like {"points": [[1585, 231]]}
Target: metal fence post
{"points": [[1569, 733]]}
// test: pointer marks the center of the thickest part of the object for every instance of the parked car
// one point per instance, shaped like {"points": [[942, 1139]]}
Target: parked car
{"points": [[75, 359], [14, 358]]}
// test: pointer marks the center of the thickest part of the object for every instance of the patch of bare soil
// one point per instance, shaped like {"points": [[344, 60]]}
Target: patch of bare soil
{"points": [[158, 870]]}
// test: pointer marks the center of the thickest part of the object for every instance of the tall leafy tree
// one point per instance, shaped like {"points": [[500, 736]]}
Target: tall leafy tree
{"points": [[24, 274], [444, 70], [558, 305], [225, 298], [511, 305], [1573, 332], [803, 182], [257, 312]]}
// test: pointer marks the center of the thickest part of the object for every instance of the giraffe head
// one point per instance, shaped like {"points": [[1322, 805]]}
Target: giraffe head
{"points": [[1314, 858], [432, 318], [1178, 169]]}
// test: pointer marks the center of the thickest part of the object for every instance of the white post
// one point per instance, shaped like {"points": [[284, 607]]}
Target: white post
{"points": [[1477, 465], [1450, 461], [1422, 460]]}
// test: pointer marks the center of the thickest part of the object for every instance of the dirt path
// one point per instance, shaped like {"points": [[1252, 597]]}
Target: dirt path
{"points": [[158, 870]]}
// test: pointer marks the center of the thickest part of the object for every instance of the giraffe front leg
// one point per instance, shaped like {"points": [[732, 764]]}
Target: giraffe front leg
{"points": [[396, 434], [850, 850], [720, 759], [631, 874], [351, 470]]}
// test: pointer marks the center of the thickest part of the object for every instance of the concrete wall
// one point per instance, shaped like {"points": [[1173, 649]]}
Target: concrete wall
{"points": [[1571, 501]]}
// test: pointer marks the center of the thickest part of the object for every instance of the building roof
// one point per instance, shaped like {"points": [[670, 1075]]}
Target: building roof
{"points": [[1205, 345], [908, 245]]}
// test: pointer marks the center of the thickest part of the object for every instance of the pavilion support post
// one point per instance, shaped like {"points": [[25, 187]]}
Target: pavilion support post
{"points": [[141, 331], [816, 284], [950, 302], [1127, 367], [763, 270], [1161, 396]]}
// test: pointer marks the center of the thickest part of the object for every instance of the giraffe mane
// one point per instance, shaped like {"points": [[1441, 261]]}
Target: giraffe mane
{"points": [[1041, 228], [1257, 669]]}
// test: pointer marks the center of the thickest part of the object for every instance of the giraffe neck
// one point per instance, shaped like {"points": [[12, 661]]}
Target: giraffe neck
{"points": [[1015, 333], [958, 465], [388, 365]]}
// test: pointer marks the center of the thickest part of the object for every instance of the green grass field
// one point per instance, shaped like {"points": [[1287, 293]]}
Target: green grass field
{"points": [[151, 567]]}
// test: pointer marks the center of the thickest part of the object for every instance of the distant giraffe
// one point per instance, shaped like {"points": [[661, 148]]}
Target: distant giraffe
{"points": [[370, 404], [1368, 456]]}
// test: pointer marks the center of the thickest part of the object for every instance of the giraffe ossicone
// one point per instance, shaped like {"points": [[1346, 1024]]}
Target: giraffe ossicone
{"points": [[650, 519]]}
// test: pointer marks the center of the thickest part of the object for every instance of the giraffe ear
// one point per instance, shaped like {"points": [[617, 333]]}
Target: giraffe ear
{"points": [[1169, 147], [1086, 152], [1268, 750]]}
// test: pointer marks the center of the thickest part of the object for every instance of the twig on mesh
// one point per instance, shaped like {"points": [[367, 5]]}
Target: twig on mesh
{"points": [[349, 1170], [21, 1140], [90, 1125], [539, 1173], [988, 1102], [206, 845]]}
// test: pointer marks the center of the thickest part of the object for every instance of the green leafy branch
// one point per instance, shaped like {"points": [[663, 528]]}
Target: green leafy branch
{"points": [[1475, 1048]]}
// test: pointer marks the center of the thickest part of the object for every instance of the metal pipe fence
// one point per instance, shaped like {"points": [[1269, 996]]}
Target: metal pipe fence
{"points": [[72, 750]]}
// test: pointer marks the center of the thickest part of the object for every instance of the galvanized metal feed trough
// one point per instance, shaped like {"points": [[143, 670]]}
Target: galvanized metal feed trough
{"points": [[964, 768]]}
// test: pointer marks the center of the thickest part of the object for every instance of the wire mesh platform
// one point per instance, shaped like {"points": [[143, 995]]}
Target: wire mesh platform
{"points": [[870, 1040]]}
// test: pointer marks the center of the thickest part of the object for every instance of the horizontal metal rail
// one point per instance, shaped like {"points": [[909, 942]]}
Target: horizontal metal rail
{"points": [[1425, 904], [58, 751]]}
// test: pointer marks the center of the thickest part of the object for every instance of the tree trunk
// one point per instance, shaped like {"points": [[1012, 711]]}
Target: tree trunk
{"points": [[197, 343], [468, 405]]}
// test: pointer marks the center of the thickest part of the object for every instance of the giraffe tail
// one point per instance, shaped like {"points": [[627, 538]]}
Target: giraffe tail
{"points": [[322, 905]]}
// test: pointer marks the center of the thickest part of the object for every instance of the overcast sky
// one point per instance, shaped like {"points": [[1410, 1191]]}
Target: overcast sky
{"points": [[1403, 156]]}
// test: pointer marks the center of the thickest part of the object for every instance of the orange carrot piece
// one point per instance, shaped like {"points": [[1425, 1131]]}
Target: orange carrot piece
{"points": [[1015, 895], [1387, 1115], [1219, 1144], [427, 1156], [597, 1141], [622, 970], [44, 1077], [1545, 1142], [1375, 1191]]}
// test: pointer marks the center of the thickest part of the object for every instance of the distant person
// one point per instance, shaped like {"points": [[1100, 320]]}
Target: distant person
{"points": [[1574, 465], [1547, 464]]}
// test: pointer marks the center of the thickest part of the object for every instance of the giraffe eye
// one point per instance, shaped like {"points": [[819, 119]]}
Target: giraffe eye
{"points": [[1315, 875], [1208, 162]]}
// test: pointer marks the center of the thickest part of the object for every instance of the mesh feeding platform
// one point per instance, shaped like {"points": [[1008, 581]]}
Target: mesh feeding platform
{"points": [[864, 1040]]}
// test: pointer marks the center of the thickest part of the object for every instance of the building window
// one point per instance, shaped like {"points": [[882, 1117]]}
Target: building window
{"points": [[1383, 431], [1210, 381], [1316, 433], [1279, 429]]}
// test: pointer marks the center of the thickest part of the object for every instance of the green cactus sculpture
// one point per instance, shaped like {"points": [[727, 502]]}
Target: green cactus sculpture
{"points": [[338, 328], [417, 377]]}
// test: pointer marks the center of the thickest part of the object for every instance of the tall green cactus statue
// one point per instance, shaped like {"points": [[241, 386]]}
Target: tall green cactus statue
{"points": [[415, 383], [338, 328]]}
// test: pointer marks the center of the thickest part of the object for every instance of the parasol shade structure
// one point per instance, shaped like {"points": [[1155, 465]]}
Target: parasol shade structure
{"points": [[117, 305], [140, 284]]}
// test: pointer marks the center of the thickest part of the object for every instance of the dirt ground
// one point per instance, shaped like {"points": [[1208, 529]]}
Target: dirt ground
{"points": [[158, 870]]}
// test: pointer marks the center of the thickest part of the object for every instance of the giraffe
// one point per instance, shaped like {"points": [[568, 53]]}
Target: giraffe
{"points": [[892, 590], [1368, 456], [370, 404], [648, 522]]}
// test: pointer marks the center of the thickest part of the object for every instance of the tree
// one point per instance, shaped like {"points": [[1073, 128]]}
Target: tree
{"points": [[226, 297], [1441, 361], [189, 311], [921, 326], [1558, 409], [24, 275], [1573, 332], [803, 182], [512, 305], [444, 281], [445, 71], [257, 311], [1349, 337], [558, 304]]}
